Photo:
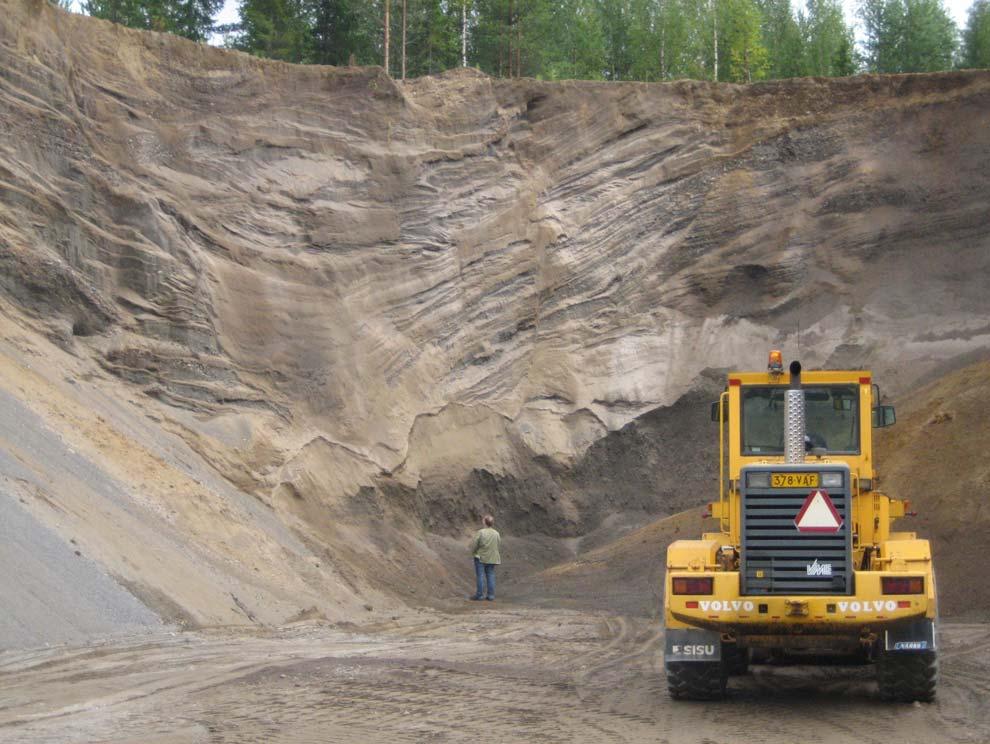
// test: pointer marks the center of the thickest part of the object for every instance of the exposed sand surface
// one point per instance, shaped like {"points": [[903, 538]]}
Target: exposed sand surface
{"points": [[508, 674]]}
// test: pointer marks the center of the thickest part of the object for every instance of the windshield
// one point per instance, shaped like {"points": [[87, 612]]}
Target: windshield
{"points": [[831, 416]]}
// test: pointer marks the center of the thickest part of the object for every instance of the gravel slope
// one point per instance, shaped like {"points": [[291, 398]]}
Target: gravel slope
{"points": [[50, 594]]}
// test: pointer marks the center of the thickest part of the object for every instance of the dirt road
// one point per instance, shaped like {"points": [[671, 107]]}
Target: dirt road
{"points": [[490, 675]]}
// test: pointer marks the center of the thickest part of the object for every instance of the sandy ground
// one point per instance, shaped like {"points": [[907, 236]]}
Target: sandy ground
{"points": [[492, 674]]}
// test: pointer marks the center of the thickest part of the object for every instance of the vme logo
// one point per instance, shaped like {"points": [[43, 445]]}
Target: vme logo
{"points": [[819, 569]]}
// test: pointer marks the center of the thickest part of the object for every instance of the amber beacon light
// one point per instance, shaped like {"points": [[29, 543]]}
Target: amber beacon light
{"points": [[776, 363]]}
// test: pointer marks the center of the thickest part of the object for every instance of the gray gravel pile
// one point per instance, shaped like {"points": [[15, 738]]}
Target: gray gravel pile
{"points": [[50, 592]]}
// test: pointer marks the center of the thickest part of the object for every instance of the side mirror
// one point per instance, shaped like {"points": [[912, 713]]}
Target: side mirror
{"points": [[715, 412], [883, 416]]}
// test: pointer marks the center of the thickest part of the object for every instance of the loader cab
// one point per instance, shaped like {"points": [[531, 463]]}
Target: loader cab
{"points": [[841, 409]]}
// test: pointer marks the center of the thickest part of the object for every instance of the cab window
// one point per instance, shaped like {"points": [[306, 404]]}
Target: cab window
{"points": [[831, 417]]}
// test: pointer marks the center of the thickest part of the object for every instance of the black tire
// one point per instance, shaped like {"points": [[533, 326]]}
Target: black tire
{"points": [[696, 680], [759, 656], [862, 656], [735, 659], [907, 677]]}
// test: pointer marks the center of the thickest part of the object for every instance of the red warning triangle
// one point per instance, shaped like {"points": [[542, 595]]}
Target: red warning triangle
{"points": [[818, 514]]}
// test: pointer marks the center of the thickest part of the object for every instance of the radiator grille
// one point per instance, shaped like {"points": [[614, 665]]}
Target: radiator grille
{"points": [[775, 557]]}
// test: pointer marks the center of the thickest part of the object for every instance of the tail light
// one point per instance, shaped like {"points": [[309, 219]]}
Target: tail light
{"points": [[693, 585], [902, 584]]}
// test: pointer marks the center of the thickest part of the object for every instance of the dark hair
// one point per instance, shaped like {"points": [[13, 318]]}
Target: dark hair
{"points": [[489, 520]]}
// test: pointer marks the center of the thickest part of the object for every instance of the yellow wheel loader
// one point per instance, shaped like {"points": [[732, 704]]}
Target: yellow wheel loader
{"points": [[805, 561]]}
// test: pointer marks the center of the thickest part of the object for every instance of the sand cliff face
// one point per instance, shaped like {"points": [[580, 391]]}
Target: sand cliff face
{"points": [[358, 299]]}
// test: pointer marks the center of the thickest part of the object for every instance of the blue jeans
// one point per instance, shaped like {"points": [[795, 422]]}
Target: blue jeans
{"points": [[484, 572]]}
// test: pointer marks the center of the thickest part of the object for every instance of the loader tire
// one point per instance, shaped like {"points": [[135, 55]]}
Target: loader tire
{"points": [[735, 659], [906, 677], [696, 680], [760, 656]]}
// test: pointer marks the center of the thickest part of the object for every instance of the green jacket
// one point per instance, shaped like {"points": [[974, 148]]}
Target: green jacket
{"points": [[485, 545]]}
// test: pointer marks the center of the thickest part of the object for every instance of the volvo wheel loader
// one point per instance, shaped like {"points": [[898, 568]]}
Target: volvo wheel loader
{"points": [[805, 562]]}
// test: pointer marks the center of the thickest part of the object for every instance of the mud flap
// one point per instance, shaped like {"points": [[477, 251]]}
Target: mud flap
{"points": [[914, 636], [688, 644]]}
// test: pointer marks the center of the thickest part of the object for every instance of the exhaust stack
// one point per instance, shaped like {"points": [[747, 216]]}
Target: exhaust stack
{"points": [[794, 436]]}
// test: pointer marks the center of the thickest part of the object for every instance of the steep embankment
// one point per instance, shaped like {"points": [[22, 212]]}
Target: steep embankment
{"points": [[936, 456], [312, 322]]}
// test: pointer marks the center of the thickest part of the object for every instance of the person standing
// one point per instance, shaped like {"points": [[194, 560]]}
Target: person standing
{"points": [[485, 549]]}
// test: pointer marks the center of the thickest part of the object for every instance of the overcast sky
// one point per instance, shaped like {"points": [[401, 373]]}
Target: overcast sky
{"points": [[959, 9]]}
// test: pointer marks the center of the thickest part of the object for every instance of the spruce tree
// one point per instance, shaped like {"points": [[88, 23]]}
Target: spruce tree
{"points": [[277, 29], [976, 36], [336, 33], [192, 19], [126, 12]]}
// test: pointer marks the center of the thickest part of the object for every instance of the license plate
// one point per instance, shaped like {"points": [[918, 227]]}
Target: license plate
{"points": [[794, 480]]}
